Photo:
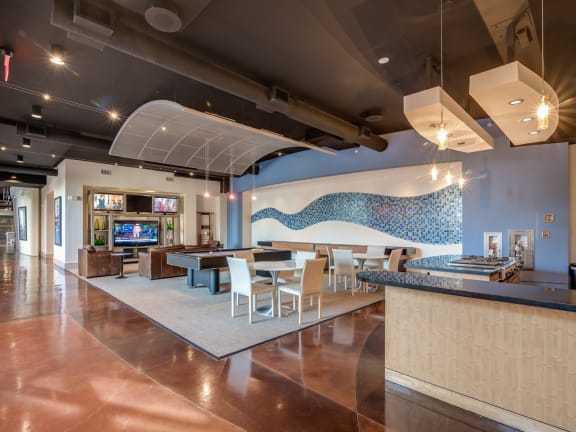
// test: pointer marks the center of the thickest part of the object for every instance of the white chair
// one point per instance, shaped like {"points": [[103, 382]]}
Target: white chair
{"points": [[310, 285], [330, 265], [393, 264], [344, 267], [374, 251], [242, 285], [300, 259], [248, 255]]}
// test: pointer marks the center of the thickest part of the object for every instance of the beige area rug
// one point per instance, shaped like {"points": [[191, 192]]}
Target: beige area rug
{"points": [[204, 319]]}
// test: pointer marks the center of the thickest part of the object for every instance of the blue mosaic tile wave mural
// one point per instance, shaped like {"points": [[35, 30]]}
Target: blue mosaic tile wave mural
{"points": [[434, 218]]}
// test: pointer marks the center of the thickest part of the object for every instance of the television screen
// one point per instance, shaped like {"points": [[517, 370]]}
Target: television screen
{"points": [[135, 233], [139, 203], [106, 201], [165, 204]]}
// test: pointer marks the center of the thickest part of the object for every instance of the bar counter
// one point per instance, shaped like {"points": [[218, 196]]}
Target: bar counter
{"points": [[504, 351], [530, 295]]}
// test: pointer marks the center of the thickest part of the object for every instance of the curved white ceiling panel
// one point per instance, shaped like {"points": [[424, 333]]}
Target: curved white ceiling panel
{"points": [[168, 133]]}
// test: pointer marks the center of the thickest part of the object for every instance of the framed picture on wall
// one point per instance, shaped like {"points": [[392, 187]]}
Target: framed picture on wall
{"points": [[58, 221], [493, 244], [22, 224]]}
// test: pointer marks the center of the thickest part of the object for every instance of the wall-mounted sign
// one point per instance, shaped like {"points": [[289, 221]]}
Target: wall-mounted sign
{"points": [[549, 218], [545, 234]]}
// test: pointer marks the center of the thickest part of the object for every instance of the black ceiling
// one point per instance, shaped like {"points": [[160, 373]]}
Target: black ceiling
{"points": [[322, 52]]}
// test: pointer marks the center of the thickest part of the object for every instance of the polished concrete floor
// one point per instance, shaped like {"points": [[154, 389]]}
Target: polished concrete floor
{"points": [[73, 358]]}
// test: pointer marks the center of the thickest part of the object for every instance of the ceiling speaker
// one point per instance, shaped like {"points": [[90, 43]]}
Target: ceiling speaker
{"points": [[163, 16]]}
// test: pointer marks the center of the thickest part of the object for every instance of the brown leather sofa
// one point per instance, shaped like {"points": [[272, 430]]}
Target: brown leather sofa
{"points": [[152, 264], [92, 263]]}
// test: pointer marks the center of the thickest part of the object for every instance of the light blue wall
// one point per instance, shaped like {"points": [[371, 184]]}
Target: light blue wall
{"points": [[513, 189], [509, 188]]}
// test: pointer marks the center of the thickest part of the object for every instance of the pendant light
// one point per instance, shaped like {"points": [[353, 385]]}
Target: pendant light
{"points": [[543, 110], [231, 195], [442, 134], [253, 182], [434, 173], [206, 171]]}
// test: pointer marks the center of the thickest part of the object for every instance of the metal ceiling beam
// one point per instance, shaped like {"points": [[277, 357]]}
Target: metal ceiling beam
{"points": [[128, 40]]}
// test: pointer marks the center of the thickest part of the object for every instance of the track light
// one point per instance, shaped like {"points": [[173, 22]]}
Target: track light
{"points": [[20, 159], [26, 143], [36, 111]]}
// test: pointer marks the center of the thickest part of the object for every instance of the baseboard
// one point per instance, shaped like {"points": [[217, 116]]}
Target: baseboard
{"points": [[470, 404]]}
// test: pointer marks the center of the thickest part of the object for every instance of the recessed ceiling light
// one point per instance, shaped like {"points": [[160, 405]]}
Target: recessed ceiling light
{"points": [[384, 60], [527, 119], [163, 128], [46, 96], [36, 111], [191, 173], [57, 55], [516, 101], [53, 155], [279, 153], [113, 115], [3, 148], [13, 177], [534, 132]]}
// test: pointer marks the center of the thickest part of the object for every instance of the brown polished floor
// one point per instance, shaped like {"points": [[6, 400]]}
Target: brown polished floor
{"points": [[73, 358]]}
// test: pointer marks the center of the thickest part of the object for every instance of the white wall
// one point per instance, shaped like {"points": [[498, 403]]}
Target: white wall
{"points": [[74, 176], [293, 197], [29, 198]]}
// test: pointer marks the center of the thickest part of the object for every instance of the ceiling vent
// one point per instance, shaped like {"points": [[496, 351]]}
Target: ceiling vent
{"points": [[163, 16], [29, 130], [94, 17]]}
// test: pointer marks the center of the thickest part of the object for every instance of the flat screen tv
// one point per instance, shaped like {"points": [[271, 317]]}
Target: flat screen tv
{"points": [[107, 201], [135, 233], [165, 204], [138, 204]]}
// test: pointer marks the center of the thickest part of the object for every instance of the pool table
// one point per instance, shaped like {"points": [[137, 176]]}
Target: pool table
{"points": [[203, 267]]}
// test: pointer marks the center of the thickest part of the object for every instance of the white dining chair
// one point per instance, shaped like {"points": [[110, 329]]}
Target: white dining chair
{"points": [[310, 285], [344, 267], [330, 264], [242, 285], [393, 263], [248, 255], [299, 259], [374, 264]]}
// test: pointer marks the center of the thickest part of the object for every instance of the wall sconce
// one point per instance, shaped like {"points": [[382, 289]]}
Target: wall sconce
{"points": [[36, 112]]}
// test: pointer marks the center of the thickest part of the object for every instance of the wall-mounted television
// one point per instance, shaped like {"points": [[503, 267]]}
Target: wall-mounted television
{"points": [[166, 204], [135, 233], [138, 203], [107, 201]]}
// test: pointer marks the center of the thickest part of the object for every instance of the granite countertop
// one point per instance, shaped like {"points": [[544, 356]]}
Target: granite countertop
{"points": [[530, 295], [440, 263]]}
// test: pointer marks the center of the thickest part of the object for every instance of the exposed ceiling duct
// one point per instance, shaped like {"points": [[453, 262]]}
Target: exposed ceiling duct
{"points": [[126, 39]]}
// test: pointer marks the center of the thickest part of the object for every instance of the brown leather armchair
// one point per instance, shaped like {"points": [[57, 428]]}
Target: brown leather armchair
{"points": [[93, 263]]}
